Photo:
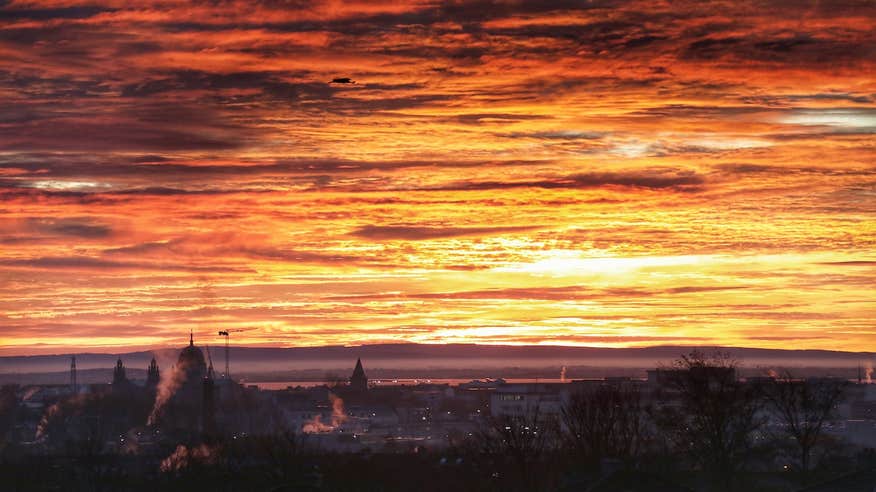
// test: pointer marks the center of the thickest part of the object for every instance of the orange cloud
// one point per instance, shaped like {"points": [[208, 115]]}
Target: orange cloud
{"points": [[501, 172]]}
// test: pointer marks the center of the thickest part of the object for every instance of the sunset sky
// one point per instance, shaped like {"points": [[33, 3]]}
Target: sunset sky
{"points": [[599, 173]]}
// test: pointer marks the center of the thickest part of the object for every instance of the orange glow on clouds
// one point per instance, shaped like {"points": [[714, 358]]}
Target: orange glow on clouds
{"points": [[501, 172]]}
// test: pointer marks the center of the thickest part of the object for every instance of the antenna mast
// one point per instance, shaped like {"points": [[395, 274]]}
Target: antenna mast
{"points": [[73, 382]]}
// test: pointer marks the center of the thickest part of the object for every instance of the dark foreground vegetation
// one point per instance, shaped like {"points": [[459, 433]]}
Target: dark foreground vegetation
{"points": [[701, 429], [274, 465]]}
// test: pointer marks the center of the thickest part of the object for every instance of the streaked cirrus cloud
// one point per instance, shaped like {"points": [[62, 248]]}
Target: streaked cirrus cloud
{"points": [[599, 173]]}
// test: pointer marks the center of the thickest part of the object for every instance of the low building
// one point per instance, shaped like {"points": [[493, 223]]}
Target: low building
{"points": [[527, 399]]}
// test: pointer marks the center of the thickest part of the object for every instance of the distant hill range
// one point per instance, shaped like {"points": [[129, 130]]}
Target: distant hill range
{"points": [[403, 360]]}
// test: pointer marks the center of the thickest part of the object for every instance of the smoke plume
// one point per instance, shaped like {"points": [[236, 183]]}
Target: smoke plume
{"points": [[170, 382], [57, 410], [316, 425], [52, 412], [184, 457]]}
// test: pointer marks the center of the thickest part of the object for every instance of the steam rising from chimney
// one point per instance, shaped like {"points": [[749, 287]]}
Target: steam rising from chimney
{"points": [[168, 385], [29, 393], [563, 374], [50, 413], [184, 457], [56, 410], [316, 425]]}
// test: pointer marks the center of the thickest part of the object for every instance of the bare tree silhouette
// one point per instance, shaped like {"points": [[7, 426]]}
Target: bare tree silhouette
{"points": [[524, 441], [711, 416], [803, 406], [604, 422]]}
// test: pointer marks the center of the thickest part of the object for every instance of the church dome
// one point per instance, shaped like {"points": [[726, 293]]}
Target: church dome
{"points": [[191, 360]]}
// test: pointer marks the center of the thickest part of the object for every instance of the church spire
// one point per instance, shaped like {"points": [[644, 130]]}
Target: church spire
{"points": [[119, 377], [153, 376], [358, 381], [191, 338]]}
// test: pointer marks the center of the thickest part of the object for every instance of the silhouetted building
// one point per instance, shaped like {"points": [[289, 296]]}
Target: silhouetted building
{"points": [[528, 399], [119, 377], [208, 405], [191, 361], [153, 376], [358, 381], [187, 410]]}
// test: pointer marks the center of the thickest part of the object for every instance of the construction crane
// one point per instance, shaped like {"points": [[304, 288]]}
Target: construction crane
{"points": [[227, 335], [223, 333]]}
